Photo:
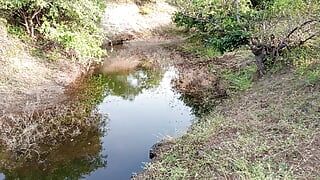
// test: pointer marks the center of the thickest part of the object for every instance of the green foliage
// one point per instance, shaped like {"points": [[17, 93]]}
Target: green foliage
{"points": [[223, 25], [73, 24], [312, 75], [196, 47], [17, 31], [227, 25]]}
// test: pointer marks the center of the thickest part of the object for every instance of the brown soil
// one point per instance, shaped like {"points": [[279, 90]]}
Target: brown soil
{"points": [[200, 79], [28, 83]]}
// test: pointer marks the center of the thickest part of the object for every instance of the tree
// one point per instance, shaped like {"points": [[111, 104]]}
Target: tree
{"points": [[73, 24], [282, 26]]}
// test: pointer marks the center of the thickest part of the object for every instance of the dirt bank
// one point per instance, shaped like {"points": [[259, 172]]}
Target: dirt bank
{"points": [[28, 82]]}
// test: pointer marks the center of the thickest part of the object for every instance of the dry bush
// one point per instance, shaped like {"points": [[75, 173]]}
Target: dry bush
{"points": [[23, 134], [283, 27]]}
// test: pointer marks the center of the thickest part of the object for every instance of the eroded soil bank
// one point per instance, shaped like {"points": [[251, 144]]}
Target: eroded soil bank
{"points": [[268, 131]]}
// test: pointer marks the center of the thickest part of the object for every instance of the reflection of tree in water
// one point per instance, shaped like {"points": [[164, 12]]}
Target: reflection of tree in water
{"points": [[129, 86], [69, 161], [200, 105], [76, 159], [63, 157]]}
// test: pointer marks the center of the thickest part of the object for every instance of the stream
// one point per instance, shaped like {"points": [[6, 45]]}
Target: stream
{"points": [[141, 109], [139, 118]]}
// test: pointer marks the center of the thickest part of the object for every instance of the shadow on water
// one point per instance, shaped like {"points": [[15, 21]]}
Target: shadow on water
{"points": [[142, 108], [70, 160]]}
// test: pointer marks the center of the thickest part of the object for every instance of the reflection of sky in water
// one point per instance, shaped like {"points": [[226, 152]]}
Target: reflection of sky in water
{"points": [[135, 125], [1, 176]]}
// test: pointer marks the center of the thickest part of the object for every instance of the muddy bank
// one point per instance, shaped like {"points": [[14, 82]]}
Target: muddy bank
{"points": [[23, 134], [202, 80]]}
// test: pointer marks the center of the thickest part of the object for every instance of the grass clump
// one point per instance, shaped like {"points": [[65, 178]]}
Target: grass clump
{"points": [[306, 62], [196, 47], [241, 79]]}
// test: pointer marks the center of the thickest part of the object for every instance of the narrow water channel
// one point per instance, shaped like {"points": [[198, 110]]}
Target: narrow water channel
{"points": [[141, 108], [140, 115]]}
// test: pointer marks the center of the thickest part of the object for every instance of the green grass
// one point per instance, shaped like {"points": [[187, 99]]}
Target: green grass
{"points": [[264, 134], [306, 62], [196, 47], [240, 80]]}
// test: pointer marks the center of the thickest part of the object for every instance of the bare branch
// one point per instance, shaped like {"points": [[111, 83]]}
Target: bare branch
{"points": [[36, 13], [301, 26], [309, 38]]}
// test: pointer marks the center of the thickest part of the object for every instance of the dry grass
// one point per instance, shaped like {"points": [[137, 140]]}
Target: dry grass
{"points": [[269, 132], [24, 133], [26, 80], [33, 106]]}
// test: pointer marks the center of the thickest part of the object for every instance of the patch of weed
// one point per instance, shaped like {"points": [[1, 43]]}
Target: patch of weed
{"points": [[240, 80], [196, 47]]}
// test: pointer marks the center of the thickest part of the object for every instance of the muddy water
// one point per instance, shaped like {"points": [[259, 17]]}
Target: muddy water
{"points": [[141, 109]]}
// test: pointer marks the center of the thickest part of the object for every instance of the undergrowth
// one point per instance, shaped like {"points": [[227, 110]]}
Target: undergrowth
{"points": [[196, 47]]}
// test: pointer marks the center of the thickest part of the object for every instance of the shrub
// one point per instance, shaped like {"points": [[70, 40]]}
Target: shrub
{"points": [[223, 25], [73, 24], [269, 27]]}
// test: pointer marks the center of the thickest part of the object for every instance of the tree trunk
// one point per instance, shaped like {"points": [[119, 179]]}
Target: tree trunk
{"points": [[31, 26], [238, 10], [260, 60], [26, 24]]}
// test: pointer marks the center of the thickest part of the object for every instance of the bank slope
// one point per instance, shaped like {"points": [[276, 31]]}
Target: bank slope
{"points": [[269, 132]]}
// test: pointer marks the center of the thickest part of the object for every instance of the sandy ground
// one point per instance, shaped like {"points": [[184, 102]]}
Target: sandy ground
{"points": [[27, 82], [127, 20]]}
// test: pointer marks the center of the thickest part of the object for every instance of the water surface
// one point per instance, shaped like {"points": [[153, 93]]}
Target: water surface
{"points": [[137, 121], [141, 109]]}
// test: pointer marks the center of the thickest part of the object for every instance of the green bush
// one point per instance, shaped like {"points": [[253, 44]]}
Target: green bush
{"points": [[224, 25], [73, 24]]}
